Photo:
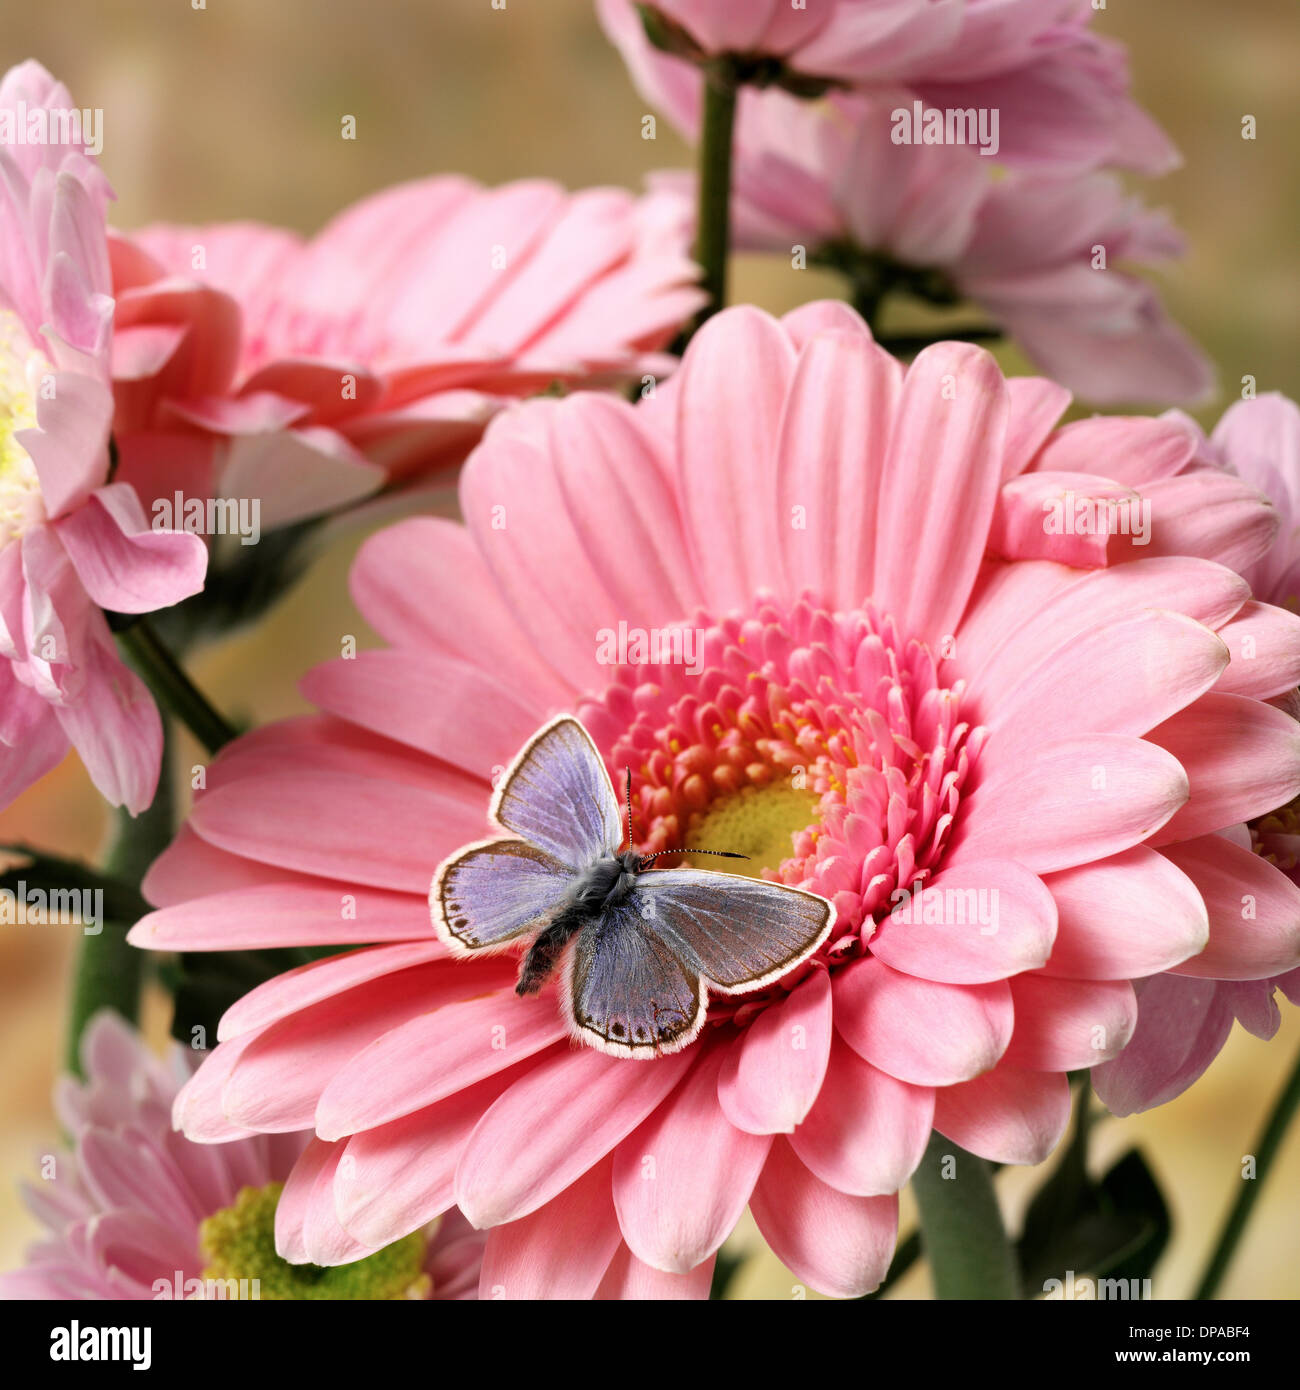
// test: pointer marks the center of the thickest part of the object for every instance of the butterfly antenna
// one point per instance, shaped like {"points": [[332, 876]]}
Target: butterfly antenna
{"points": [[629, 806], [720, 853]]}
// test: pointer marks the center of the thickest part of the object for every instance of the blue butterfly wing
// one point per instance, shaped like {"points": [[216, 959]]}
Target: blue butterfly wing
{"points": [[739, 933], [488, 894], [628, 992], [557, 795]]}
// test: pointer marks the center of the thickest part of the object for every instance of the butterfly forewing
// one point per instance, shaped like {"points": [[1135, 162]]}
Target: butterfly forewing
{"points": [[739, 933], [557, 795], [630, 994], [490, 893]]}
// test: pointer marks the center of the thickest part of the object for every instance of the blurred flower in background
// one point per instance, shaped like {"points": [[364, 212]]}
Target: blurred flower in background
{"points": [[312, 373], [72, 541], [136, 1211]]}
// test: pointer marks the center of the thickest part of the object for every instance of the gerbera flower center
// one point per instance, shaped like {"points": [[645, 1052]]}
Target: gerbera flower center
{"points": [[238, 1243], [20, 489], [823, 745]]}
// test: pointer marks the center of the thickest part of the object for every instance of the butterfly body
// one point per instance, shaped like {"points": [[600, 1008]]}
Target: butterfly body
{"points": [[608, 881], [634, 951]]}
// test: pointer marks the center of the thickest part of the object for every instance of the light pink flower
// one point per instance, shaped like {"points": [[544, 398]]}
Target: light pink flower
{"points": [[124, 1208], [889, 688], [1061, 92], [310, 373], [72, 542], [1043, 256], [1185, 1019]]}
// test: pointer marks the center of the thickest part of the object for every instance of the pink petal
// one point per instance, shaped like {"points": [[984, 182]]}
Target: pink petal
{"points": [[841, 1245], [773, 1072], [681, 1181], [125, 566], [867, 1131], [628, 1279], [1111, 792], [1254, 911], [470, 1040], [422, 583], [948, 437], [1242, 760], [732, 388], [278, 821], [562, 1250], [1007, 1115], [553, 1124], [1182, 1024], [276, 914], [919, 1031], [1003, 921], [1065, 1025], [1131, 915], [1264, 643], [830, 456]]}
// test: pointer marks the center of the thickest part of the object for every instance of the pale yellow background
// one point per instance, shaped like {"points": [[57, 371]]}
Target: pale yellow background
{"points": [[234, 112]]}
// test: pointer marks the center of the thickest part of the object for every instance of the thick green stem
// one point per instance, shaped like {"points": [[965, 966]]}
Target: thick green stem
{"points": [[965, 1241], [108, 972], [1265, 1151], [713, 225], [173, 688]]}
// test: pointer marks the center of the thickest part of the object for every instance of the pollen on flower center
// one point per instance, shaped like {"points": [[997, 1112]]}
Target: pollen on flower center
{"points": [[821, 744], [20, 492], [238, 1243], [759, 822]]}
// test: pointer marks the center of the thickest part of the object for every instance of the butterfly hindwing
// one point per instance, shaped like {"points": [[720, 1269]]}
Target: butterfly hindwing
{"points": [[557, 795], [739, 933], [628, 993], [488, 894]]}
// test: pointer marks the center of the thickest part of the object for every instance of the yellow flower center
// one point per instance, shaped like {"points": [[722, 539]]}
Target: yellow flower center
{"points": [[20, 489], [760, 822], [238, 1243]]}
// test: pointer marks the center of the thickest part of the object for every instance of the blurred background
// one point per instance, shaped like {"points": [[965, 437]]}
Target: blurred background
{"points": [[233, 111]]}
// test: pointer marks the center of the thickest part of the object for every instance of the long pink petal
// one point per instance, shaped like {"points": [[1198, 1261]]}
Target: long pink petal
{"points": [[841, 1245], [681, 1181], [919, 1031], [773, 1072], [867, 1131]]}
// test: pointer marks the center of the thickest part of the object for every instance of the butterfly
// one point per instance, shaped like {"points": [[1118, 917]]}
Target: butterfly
{"points": [[634, 950]]}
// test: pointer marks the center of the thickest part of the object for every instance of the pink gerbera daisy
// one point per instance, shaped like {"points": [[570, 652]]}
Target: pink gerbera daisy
{"points": [[310, 373], [1062, 93], [73, 541], [137, 1211], [1048, 258], [884, 688]]}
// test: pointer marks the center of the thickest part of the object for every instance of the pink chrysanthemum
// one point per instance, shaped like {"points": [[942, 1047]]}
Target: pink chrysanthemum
{"points": [[252, 363], [1046, 258], [137, 1211], [1184, 1021], [1061, 91], [71, 540], [884, 688]]}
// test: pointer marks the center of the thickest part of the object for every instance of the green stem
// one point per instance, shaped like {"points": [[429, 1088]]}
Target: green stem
{"points": [[713, 225], [961, 1226], [1265, 1151], [109, 973], [173, 688]]}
